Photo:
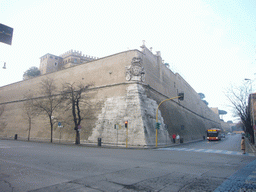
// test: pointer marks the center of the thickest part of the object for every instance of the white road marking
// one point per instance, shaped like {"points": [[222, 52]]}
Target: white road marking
{"points": [[207, 151]]}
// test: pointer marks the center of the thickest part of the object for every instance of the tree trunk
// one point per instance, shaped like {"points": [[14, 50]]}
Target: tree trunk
{"points": [[29, 127], [51, 127], [77, 137]]}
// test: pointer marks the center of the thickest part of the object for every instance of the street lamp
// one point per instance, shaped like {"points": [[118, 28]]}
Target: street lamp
{"points": [[180, 97], [4, 67]]}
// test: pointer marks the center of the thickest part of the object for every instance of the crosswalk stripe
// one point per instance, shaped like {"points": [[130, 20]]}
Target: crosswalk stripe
{"points": [[4, 147], [198, 150], [190, 149], [207, 151]]}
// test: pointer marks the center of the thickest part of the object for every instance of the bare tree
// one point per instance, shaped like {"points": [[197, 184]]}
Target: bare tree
{"points": [[75, 98], [29, 110], [238, 97], [49, 101]]}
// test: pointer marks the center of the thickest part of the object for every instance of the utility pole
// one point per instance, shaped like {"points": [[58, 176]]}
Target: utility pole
{"points": [[126, 126], [180, 97]]}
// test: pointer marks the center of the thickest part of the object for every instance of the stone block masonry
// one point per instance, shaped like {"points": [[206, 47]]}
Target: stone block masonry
{"points": [[135, 108], [128, 86]]}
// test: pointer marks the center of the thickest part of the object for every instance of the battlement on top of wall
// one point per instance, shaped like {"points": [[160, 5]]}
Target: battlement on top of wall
{"points": [[51, 63], [69, 53], [77, 53]]}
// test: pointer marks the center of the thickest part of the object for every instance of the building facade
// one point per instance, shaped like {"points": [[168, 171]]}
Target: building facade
{"points": [[128, 86], [252, 108]]}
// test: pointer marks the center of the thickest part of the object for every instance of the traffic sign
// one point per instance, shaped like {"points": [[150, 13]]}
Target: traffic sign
{"points": [[6, 34], [59, 124]]}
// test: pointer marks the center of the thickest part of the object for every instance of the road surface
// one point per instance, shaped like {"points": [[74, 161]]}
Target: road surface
{"points": [[201, 166]]}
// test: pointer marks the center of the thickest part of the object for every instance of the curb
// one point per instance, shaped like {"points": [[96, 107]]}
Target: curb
{"points": [[251, 146], [94, 145]]}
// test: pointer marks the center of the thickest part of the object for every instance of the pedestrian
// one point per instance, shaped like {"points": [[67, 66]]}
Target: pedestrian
{"points": [[173, 138], [243, 145], [178, 138]]}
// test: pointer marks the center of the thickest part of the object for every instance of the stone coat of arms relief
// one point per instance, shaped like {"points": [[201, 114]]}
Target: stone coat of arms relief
{"points": [[135, 72]]}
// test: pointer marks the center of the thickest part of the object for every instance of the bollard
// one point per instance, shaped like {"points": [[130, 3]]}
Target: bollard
{"points": [[16, 137], [99, 142]]}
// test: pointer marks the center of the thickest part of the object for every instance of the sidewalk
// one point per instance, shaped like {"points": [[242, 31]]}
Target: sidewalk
{"points": [[103, 145], [249, 147], [244, 180], [241, 181]]}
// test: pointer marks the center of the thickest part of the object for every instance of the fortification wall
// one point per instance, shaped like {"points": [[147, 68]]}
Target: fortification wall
{"points": [[114, 99]]}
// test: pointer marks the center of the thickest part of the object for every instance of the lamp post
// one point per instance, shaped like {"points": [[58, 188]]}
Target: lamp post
{"points": [[4, 66], [180, 96]]}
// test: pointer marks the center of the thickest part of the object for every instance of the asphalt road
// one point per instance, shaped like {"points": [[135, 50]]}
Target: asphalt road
{"points": [[229, 143], [201, 166]]}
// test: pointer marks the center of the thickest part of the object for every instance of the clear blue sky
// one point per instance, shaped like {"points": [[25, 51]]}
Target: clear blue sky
{"points": [[210, 43]]}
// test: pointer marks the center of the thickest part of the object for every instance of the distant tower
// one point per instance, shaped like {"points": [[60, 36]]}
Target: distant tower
{"points": [[72, 58], [49, 63]]}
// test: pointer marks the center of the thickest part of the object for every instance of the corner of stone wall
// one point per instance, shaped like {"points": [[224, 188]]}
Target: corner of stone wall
{"points": [[148, 112], [117, 110]]}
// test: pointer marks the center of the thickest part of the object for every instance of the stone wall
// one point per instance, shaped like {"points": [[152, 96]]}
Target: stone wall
{"points": [[113, 99]]}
